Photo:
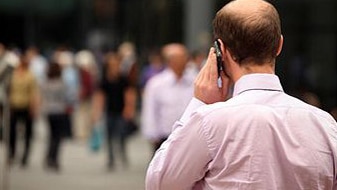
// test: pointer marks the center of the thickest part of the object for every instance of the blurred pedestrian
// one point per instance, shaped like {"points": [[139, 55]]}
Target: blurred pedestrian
{"points": [[155, 64], [88, 78], [117, 99], [37, 64], [54, 103], [70, 75], [3, 64], [127, 51], [311, 98], [197, 61], [166, 95], [9, 60], [129, 65], [23, 108]]}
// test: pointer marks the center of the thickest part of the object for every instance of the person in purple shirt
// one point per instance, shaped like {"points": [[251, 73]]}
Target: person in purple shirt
{"points": [[260, 137], [155, 65]]}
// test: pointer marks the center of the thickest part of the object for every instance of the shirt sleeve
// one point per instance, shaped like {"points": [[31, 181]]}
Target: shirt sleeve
{"points": [[182, 160], [191, 107]]}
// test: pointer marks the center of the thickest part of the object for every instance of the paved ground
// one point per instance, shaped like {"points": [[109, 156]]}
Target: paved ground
{"points": [[81, 168]]}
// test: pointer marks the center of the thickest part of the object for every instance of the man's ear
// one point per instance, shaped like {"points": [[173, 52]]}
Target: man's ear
{"points": [[280, 45], [226, 54], [222, 47]]}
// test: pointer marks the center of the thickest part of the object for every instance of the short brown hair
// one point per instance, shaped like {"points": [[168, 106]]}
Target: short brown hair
{"points": [[254, 37]]}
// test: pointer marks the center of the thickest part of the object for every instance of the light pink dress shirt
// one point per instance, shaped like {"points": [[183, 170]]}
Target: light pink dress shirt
{"points": [[261, 138]]}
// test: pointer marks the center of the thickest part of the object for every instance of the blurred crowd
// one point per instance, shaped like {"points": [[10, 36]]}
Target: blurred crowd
{"points": [[109, 94], [73, 93]]}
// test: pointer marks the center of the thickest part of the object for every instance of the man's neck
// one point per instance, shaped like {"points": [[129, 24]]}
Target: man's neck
{"points": [[267, 68]]}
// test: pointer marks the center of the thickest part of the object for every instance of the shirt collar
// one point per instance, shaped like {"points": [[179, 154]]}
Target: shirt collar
{"points": [[259, 81]]}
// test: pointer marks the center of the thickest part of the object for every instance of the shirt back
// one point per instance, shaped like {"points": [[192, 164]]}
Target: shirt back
{"points": [[274, 142]]}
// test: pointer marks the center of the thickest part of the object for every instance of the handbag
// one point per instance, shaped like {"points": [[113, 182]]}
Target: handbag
{"points": [[96, 138]]}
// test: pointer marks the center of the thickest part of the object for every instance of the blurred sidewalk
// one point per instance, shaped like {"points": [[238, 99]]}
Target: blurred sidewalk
{"points": [[81, 169]]}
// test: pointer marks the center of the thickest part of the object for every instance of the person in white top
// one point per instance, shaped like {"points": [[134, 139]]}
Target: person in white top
{"points": [[166, 95], [261, 138]]}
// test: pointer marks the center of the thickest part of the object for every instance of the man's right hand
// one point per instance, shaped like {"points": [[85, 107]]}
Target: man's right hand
{"points": [[205, 85]]}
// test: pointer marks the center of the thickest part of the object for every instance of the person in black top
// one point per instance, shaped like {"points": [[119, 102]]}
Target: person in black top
{"points": [[118, 99]]}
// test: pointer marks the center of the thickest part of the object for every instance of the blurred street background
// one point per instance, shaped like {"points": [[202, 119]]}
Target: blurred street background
{"points": [[82, 169]]}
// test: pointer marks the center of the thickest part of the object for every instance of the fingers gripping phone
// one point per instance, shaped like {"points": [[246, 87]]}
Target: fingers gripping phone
{"points": [[219, 61]]}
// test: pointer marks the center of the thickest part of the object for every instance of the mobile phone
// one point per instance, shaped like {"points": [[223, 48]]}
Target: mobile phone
{"points": [[219, 61]]}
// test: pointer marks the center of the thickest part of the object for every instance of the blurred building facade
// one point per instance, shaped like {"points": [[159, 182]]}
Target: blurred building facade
{"points": [[308, 61]]}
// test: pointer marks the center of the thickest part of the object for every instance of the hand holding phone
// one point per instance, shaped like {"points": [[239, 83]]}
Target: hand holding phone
{"points": [[219, 61], [208, 87]]}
